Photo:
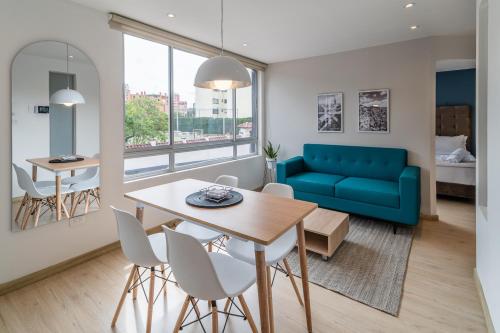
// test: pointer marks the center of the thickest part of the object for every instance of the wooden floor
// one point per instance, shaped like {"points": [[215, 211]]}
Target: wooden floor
{"points": [[439, 294]]}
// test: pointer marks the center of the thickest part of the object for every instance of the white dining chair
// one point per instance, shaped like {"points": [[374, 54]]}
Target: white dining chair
{"points": [[88, 174], [277, 251], [38, 195], [146, 252], [207, 276], [203, 234], [84, 191]]}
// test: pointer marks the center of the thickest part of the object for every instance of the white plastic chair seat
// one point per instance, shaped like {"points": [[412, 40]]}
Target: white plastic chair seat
{"points": [[86, 185], [234, 275], [75, 179], [45, 183], [201, 233], [51, 191], [159, 245], [277, 251]]}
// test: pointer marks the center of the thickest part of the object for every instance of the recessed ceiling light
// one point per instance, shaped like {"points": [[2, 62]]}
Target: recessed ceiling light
{"points": [[245, 44], [414, 27], [410, 5], [171, 15], [71, 57]]}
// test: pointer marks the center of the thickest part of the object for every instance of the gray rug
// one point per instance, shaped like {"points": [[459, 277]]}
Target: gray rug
{"points": [[369, 266]]}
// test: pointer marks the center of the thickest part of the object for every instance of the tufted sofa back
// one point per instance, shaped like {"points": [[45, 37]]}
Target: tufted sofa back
{"points": [[355, 161]]}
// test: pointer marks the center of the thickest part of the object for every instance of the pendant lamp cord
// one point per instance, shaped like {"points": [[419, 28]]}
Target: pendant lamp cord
{"points": [[67, 65], [222, 27]]}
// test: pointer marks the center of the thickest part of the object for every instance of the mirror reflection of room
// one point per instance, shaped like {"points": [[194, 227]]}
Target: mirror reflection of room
{"points": [[55, 135]]}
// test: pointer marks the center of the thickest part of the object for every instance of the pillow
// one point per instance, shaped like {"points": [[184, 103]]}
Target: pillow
{"points": [[468, 157], [446, 145], [456, 156]]}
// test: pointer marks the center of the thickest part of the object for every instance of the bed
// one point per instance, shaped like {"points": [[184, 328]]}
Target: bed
{"points": [[455, 179]]}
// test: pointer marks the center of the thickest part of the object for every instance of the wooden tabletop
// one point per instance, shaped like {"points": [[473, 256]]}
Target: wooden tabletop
{"points": [[58, 167], [260, 217]]}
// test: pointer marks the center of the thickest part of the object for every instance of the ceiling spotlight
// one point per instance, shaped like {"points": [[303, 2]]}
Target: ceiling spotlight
{"points": [[71, 57], [410, 5], [171, 15], [245, 44], [414, 27]]}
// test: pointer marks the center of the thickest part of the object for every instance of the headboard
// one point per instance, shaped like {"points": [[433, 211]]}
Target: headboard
{"points": [[453, 121]]}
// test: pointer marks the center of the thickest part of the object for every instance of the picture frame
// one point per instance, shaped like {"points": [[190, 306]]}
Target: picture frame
{"points": [[330, 112], [374, 111]]}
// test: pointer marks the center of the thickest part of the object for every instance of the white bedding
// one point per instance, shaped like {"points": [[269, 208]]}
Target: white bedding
{"points": [[457, 173]]}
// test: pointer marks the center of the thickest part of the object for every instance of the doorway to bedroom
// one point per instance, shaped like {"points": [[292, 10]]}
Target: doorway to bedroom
{"points": [[455, 142]]}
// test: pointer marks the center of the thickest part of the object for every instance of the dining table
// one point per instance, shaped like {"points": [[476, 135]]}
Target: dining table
{"points": [[260, 218], [58, 169]]}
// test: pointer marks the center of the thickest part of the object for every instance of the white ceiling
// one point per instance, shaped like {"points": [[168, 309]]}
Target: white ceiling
{"points": [[280, 30]]}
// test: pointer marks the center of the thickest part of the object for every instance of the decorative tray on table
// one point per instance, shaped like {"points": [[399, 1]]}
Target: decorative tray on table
{"points": [[215, 196]]}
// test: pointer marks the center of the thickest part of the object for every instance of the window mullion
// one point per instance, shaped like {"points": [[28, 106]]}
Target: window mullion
{"points": [[171, 155], [235, 117]]}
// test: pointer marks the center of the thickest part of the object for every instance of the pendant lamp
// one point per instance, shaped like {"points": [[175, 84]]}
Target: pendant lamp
{"points": [[222, 72], [68, 97]]}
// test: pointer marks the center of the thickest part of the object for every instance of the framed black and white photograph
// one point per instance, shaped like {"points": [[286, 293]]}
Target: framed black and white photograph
{"points": [[330, 112], [373, 112]]}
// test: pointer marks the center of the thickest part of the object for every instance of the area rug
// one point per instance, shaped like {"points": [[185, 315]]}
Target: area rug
{"points": [[369, 266]]}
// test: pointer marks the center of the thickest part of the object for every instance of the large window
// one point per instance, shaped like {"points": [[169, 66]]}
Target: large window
{"points": [[172, 125]]}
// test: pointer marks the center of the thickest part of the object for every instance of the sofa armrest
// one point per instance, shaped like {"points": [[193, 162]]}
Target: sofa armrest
{"points": [[288, 168], [409, 189]]}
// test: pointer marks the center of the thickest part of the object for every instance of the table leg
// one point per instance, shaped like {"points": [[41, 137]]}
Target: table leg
{"points": [[303, 270], [73, 194], [260, 267], [139, 214], [58, 197], [34, 172]]}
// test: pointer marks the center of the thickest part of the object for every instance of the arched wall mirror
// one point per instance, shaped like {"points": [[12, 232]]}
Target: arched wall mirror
{"points": [[55, 135]]}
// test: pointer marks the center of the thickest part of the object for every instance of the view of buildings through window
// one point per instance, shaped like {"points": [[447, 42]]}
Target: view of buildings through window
{"points": [[198, 117]]}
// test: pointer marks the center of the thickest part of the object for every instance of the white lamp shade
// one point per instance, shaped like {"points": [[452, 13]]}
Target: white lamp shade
{"points": [[67, 97], [223, 73]]}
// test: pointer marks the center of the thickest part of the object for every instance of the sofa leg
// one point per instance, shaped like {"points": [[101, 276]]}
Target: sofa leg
{"points": [[395, 228]]}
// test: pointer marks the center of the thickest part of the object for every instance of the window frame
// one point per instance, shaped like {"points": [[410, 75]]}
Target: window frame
{"points": [[172, 148]]}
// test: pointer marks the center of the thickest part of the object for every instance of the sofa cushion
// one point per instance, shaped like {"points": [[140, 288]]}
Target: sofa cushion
{"points": [[314, 182], [372, 191], [354, 161]]}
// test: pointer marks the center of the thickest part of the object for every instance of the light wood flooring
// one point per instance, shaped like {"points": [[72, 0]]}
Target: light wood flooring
{"points": [[439, 294]]}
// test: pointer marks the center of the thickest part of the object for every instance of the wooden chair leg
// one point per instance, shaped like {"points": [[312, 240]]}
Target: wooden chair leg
{"points": [[134, 291], [226, 306], [65, 210], [97, 199], [195, 307], [151, 299], [162, 267], [182, 314], [247, 313], [210, 247], [87, 201], [215, 318], [270, 299], [23, 203], [27, 213], [122, 298], [38, 205], [292, 280]]}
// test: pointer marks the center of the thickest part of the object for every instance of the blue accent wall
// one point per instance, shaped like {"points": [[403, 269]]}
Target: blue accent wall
{"points": [[458, 88]]}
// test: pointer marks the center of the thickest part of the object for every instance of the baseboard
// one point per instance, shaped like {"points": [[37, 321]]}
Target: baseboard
{"points": [[62, 266], [484, 305], [433, 217]]}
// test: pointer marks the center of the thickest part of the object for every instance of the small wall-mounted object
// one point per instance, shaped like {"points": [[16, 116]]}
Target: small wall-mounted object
{"points": [[42, 109]]}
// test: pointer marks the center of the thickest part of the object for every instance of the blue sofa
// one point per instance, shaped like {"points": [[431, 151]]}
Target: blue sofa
{"points": [[375, 182]]}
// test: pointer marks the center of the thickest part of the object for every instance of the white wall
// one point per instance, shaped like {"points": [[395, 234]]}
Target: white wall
{"points": [[407, 69], [488, 218], [31, 131], [25, 252]]}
